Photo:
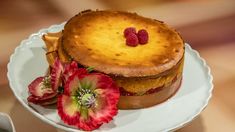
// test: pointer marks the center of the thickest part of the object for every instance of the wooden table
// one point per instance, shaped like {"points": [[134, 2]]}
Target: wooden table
{"points": [[208, 29]]}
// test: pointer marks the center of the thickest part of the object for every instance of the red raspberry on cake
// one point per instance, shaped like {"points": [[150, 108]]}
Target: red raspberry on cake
{"points": [[128, 31], [143, 36], [132, 40]]}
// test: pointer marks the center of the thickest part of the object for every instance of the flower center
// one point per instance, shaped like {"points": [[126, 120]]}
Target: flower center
{"points": [[46, 82], [86, 98]]}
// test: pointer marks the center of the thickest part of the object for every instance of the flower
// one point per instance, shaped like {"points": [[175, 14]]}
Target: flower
{"points": [[89, 100]]}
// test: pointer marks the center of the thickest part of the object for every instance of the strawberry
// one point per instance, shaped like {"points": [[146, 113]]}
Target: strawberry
{"points": [[89, 100], [56, 74]]}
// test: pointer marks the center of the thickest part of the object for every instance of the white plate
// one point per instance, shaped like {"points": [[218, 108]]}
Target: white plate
{"points": [[29, 62], [6, 124]]}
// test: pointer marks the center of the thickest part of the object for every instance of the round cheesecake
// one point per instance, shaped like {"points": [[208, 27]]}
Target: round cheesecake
{"points": [[146, 74]]}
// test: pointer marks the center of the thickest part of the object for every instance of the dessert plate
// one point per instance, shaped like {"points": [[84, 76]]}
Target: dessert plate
{"points": [[29, 62]]}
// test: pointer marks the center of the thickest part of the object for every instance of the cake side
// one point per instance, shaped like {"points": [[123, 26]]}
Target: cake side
{"points": [[138, 86], [148, 100], [148, 91]]}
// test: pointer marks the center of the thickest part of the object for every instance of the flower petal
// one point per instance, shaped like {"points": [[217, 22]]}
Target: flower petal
{"points": [[73, 82], [69, 70], [68, 110], [48, 100], [56, 74], [107, 98], [37, 89]]}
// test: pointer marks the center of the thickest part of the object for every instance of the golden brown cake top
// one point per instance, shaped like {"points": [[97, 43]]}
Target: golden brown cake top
{"points": [[95, 38]]}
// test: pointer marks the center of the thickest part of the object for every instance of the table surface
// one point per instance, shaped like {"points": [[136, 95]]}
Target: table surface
{"points": [[208, 29]]}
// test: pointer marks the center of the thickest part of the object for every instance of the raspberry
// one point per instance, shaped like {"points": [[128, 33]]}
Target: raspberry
{"points": [[132, 40], [129, 30], [143, 36]]}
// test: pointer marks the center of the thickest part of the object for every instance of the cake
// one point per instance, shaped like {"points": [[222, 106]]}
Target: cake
{"points": [[146, 75]]}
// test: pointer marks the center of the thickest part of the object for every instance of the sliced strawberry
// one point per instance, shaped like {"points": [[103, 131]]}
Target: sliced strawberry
{"points": [[56, 74], [89, 100]]}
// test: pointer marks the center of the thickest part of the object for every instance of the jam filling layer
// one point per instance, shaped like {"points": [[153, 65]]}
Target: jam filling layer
{"points": [[123, 92]]}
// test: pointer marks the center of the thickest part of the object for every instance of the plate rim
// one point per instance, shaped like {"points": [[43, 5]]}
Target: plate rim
{"points": [[63, 127]]}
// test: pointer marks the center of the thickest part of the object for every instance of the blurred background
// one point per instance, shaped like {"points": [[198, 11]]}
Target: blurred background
{"points": [[208, 25]]}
